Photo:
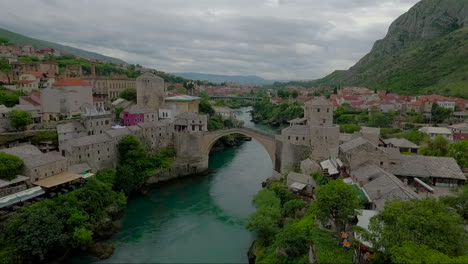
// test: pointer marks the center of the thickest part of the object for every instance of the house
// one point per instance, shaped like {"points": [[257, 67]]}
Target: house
{"points": [[435, 171], [358, 151], [39, 80], [434, 132], [182, 104], [224, 112], [459, 131], [66, 98], [380, 186], [301, 183], [371, 134], [190, 122], [403, 145], [135, 114]]}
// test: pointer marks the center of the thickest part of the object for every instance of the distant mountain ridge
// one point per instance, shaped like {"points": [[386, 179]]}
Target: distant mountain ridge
{"points": [[37, 43], [216, 78], [424, 51]]}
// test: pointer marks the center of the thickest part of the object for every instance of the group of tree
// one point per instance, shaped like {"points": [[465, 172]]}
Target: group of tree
{"points": [[10, 98], [441, 147], [276, 114], [10, 166], [48, 229], [19, 119], [129, 94], [287, 93], [136, 164], [421, 231]]}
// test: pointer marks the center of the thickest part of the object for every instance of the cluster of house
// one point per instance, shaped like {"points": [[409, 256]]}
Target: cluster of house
{"points": [[13, 52], [230, 89], [89, 142], [380, 170]]}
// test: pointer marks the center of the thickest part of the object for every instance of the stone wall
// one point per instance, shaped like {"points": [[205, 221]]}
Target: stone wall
{"points": [[180, 168]]}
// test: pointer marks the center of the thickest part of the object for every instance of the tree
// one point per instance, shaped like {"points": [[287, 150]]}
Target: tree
{"points": [[4, 41], [10, 166], [190, 86], [294, 94], [336, 201], [20, 119], [459, 201], [414, 136], [81, 238], [380, 120], [129, 94], [206, 108], [459, 151], [438, 147], [292, 241], [425, 222], [106, 176], [291, 207], [128, 179], [349, 128], [36, 232], [265, 221], [412, 253], [439, 114]]}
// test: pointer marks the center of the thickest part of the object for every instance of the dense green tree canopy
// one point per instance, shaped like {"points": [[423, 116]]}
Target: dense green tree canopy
{"points": [[10, 166], [438, 147], [459, 151], [20, 119], [425, 222], [129, 94], [336, 201]]}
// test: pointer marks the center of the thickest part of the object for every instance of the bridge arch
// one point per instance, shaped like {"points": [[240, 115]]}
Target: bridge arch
{"points": [[267, 140]]}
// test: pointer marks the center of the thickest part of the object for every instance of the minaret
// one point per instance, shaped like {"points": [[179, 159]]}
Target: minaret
{"points": [[324, 135]]}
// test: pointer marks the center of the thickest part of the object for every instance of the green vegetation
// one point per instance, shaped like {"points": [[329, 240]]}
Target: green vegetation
{"points": [[439, 114], [45, 136], [10, 99], [425, 229], [5, 66], [276, 115], [47, 229], [20, 119], [349, 128], [10, 166], [440, 147], [337, 202], [320, 179], [285, 230], [129, 94], [135, 164]]}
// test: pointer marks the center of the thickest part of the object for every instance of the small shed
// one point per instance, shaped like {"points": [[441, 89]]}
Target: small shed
{"points": [[301, 183]]}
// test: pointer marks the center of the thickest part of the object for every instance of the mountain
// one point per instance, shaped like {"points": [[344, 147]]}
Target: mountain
{"points": [[424, 51], [214, 78], [37, 43]]}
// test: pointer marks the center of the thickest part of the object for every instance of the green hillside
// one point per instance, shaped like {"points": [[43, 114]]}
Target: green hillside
{"points": [[37, 43], [425, 51]]}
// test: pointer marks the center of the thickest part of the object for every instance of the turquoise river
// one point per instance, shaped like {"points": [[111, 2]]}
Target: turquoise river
{"points": [[197, 219]]}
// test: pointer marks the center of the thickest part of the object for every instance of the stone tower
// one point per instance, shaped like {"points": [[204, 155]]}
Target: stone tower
{"points": [[324, 135], [150, 90]]}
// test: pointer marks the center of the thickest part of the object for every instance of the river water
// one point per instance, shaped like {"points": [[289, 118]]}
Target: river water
{"points": [[198, 219]]}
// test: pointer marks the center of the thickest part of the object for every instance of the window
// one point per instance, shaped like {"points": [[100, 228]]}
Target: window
{"points": [[297, 138], [328, 110], [381, 163], [324, 120], [318, 110], [289, 137], [303, 138]]}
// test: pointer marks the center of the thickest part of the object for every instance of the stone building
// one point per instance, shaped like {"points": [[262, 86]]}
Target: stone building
{"points": [[297, 135], [359, 151], [150, 91], [110, 88], [181, 104], [38, 165], [324, 135], [190, 123], [135, 114], [91, 123], [18, 68], [66, 98]]}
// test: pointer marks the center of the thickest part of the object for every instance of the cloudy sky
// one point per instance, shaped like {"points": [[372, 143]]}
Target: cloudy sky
{"points": [[274, 39]]}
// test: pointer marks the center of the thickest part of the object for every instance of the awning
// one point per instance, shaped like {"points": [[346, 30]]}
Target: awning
{"points": [[20, 196], [362, 195], [87, 175], [298, 186], [58, 179]]}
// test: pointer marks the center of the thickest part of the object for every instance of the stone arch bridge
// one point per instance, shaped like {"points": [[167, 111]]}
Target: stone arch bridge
{"points": [[267, 140]]}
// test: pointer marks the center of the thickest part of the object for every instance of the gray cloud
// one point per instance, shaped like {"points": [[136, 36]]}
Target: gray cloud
{"points": [[277, 39]]}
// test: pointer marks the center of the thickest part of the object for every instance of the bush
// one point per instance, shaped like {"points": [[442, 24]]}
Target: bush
{"points": [[292, 241], [129, 94], [10, 166], [320, 179], [349, 128], [106, 176], [20, 119], [290, 208], [45, 136]]}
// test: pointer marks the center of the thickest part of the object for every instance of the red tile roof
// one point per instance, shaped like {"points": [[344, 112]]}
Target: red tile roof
{"points": [[71, 82], [39, 74], [24, 81]]}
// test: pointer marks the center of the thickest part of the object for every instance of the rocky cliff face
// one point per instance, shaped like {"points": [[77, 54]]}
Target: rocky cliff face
{"points": [[427, 20], [424, 51]]}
